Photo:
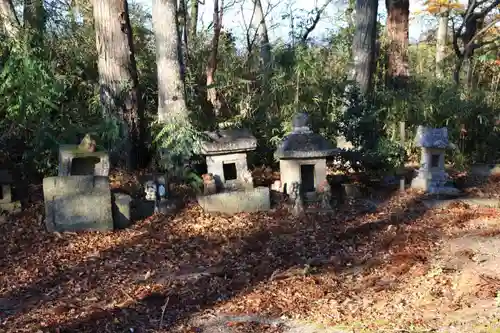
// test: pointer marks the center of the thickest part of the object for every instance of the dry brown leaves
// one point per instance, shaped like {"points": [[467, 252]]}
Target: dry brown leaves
{"points": [[347, 267]]}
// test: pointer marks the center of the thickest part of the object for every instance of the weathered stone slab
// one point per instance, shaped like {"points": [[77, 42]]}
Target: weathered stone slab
{"points": [[73, 161], [11, 207], [228, 141], [121, 210], [6, 182], [480, 202], [251, 200], [74, 203], [485, 170]]}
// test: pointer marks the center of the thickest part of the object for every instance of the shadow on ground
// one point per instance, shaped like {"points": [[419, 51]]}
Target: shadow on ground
{"points": [[157, 275]]}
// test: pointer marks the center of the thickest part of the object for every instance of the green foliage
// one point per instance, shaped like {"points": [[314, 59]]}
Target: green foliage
{"points": [[177, 144], [51, 97]]}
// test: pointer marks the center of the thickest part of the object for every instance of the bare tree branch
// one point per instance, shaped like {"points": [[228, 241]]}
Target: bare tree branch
{"points": [[315, 21]]}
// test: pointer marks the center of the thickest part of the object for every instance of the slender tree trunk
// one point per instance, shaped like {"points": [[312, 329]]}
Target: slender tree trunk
{"points": [[398, 12], [458, 68], [118, 76], [171, 92], [442, 36], [34, 21], [183, 34], [9, 21], [212, 60], [363, 46], [193, 19], [262, 37]]}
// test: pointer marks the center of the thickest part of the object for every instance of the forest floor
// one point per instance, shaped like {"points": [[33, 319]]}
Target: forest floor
{"points": [[401, 268]]}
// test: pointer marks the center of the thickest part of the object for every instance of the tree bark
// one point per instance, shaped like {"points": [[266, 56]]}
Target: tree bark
{"points": [[171, 92], [442, 36], [212, 60], [363, 46], [193, 17], [398, 12], [118, 81], [34, 21], [10, 22], [262, 37]]}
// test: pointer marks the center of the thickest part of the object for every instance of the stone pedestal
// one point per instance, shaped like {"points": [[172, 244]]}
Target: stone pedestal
{"points": [[74, 203]]}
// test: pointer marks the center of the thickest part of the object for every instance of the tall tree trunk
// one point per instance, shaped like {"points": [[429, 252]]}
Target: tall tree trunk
{"points": [[212, 60], [442, 36], [363, 46], [118, 76], [458, 68], [171, 92], [398, 12], [34, 21], [193, 17], [262, 37], [183, 33], [9, 21]]}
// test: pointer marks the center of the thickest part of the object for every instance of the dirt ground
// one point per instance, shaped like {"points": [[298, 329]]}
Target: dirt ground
{"points": [[401, 268]]}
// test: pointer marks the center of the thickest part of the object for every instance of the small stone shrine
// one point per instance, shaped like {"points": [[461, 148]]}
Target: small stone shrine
{"points": [[431, 175], [228, 185], [82, 159], [79, 198], [226, 157], [302, 157]]}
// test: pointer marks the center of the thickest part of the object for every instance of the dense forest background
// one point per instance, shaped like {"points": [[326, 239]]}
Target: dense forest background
{"points": [[140, 82]]}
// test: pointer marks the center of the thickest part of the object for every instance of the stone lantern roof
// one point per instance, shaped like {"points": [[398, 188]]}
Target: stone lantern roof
{"points": [[228, 142], [303, 143], [428, 137]]}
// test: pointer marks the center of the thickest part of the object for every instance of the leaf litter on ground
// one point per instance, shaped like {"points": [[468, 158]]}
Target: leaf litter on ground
{"points": [[377, 268]]}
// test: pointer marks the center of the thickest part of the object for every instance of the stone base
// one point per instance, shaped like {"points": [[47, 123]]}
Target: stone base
{"points": [[254, 200], [75, 203], [433, 187], [11, 207], [169, 206]]}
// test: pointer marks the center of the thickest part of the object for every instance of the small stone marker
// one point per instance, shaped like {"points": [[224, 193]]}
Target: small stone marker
{"points": [[6, 203], [121, 210]]}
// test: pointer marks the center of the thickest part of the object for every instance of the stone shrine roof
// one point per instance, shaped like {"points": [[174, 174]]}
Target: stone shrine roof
{"points": [[428, 137], [303, 143], [228, 141]]}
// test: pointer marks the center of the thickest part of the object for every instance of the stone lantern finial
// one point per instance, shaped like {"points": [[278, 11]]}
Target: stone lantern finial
{"points": [[299, 123]]}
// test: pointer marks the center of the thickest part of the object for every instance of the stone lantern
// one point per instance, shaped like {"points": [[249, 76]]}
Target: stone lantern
{"points": [[302, 157], [431, 176]]}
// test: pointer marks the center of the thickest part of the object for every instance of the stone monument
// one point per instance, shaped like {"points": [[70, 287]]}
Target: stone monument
{"points": [[431, 176], [302, 157], [226, 158], [79, 198]]}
